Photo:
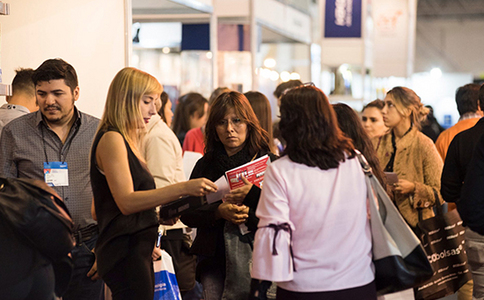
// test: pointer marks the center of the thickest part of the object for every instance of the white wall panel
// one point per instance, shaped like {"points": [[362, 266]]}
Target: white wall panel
{"points": [[88, 34]]}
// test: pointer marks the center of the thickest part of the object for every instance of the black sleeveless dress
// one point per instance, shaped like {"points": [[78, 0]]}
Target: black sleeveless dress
{"points": [[123, 238]]}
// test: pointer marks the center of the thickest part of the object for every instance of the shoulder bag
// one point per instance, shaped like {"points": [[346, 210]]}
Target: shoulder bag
{"points": [[398, 255], [38, 216], [443, 238]]}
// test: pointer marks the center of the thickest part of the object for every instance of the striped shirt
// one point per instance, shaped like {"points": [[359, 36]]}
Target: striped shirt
{"points": [[27, 142]]}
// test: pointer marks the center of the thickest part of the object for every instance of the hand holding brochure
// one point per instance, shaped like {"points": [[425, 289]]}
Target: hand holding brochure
{"points": [[253, 171], [222, 189]]}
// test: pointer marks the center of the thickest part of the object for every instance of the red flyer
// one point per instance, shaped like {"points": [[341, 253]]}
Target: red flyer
{"points": [[253, 171]]}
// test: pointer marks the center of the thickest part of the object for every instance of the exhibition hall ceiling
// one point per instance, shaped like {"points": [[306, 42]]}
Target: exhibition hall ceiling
{"points": [[450, 9]]}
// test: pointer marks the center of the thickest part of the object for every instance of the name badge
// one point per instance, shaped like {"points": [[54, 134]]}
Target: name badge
{"points": [[56, 173]]}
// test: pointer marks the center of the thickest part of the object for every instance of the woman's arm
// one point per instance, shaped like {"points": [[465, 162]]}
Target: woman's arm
{"points": [[273, 209], [112, 159], [424, 195]]}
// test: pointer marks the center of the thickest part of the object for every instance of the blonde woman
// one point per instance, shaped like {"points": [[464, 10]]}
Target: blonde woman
{"points": [[410, 154], [123, 188]]}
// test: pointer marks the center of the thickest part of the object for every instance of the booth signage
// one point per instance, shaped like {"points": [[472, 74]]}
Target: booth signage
{"points": [[342, 19]]}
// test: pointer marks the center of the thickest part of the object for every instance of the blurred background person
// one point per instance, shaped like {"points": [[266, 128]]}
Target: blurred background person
{"points": [[23, 99], [349, 122], [410, 154], [312, 180], [372, 119], [456, 164], [190, 112], [467, 100], [195, 137], [280, 89], [430, 125], [262, 109], [163, 155], [164, 111], [233, 137], [124, 190]]}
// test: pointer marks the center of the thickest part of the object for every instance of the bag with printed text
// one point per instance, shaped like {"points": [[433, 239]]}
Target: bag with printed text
{"points": [[166, 286], [443, 238]]}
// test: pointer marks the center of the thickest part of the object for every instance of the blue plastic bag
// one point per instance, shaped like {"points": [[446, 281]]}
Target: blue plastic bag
{"points": [[166, 286]]}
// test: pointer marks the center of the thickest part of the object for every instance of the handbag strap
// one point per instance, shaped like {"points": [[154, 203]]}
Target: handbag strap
{"points": [[364, 163], [373, 184], [438, 206]]}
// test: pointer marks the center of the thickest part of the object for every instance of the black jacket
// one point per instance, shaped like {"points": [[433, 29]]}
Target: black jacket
{"points": [[457, 161], [471, 203], [210, 240]]}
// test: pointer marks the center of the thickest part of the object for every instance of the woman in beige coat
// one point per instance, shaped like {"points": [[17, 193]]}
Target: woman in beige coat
{"points": [[410, 154]]}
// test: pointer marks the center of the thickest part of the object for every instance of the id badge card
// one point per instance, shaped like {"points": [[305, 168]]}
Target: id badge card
{"points": [[56, 173]]}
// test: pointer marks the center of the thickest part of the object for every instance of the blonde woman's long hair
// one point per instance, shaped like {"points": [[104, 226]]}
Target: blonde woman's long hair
{"points": [[121, 111]]}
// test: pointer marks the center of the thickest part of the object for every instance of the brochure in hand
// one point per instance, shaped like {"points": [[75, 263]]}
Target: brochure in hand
{"points": [[253, 171]]}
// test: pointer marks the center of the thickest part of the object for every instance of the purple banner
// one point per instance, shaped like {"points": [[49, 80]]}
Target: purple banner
{"points": [[342, 19]]}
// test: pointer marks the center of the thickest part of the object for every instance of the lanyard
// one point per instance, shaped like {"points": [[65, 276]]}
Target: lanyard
{"points": [[67, 145]]}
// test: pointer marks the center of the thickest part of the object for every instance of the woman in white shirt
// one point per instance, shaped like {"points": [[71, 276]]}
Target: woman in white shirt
{"points": [[314, 235]]}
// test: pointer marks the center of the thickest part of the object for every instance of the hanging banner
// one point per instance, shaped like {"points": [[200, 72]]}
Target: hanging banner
{"points": [[342, 19], [394, 37]]}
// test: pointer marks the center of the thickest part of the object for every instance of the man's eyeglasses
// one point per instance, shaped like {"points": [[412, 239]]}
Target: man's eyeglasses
{"points": [[297, 87]]}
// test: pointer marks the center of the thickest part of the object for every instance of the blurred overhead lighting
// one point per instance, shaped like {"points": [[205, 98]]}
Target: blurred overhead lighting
{"points": [[295, 76], [436, 73], [209, 55], [265, 73], [285, 76], [269, 63], [165, 50], [274, 76]]}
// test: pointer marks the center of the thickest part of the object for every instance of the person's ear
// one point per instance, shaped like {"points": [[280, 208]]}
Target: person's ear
{"points": [[75, 93]]}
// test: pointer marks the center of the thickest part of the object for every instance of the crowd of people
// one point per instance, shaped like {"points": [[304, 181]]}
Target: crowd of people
{"points": [[303, 234]]}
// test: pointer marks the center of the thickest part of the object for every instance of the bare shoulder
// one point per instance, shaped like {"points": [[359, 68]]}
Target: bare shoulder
{"points": [[110, 147], [110, 139]]}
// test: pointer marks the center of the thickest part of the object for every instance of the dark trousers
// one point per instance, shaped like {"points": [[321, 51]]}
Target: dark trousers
{"points": [[177, 244], [37, 286], [366, 292], [82, 287], [133, 277]]}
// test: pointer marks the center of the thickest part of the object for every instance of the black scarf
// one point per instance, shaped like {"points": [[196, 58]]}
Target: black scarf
{"points": [[220, 162]]}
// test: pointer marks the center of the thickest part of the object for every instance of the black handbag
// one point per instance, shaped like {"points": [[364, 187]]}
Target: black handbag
{"points": [[398, 255], [39, 217], [443, 238]]}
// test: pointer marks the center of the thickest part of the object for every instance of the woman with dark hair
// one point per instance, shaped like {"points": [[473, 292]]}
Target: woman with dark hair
{"points": [[372, 119], [410, 154], [314, 236], [262, 109], [350, 124], [195, 137], [164, 111], [190, 112], [233, 137]]}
